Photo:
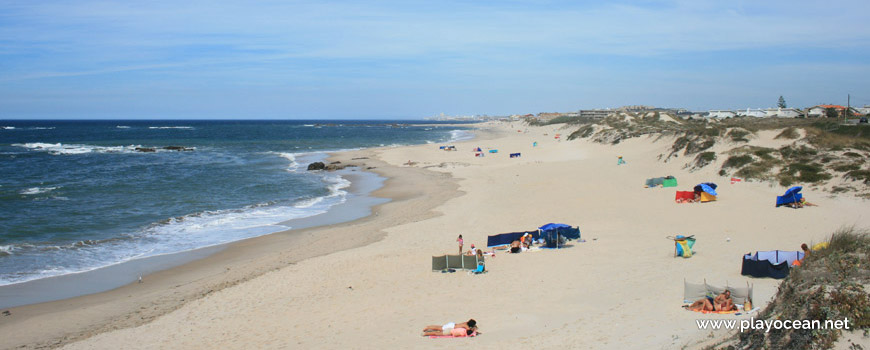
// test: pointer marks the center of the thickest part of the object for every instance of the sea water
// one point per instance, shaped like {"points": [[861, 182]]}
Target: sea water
{"points": [[80, 195]]}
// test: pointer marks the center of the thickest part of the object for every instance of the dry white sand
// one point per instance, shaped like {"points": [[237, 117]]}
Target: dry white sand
{"points": [[620, 289]]}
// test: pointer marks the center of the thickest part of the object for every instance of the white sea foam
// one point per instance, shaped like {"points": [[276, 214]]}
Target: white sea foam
{"points": [[37, 190], [170, 127], [27, 128], [59, 148], [337, 184], [122, 127], [173, 235], [460, 135], [69, 149], [292, 158], [307, 203]]}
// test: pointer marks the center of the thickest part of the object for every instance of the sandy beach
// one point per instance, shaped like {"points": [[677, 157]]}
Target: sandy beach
{"points": [[369, 284]]}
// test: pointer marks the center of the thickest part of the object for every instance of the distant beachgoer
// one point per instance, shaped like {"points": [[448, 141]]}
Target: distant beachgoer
{"points": [[472, 251], [703, 304], [723, 302], [806, 250], [516, 247], [480, 263], [526, 240], [460, 329], [460, 241]]}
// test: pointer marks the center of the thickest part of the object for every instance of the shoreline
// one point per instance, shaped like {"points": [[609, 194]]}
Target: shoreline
{"points": [[113, 276], [214, 268]]}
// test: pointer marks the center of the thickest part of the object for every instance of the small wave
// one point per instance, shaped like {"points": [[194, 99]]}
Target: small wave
{"points": [[28, 128], [170, 127], [6, 250], [37, 190], [337, 184], [308, 203], [292, 158], [122, 127], [59, 148], [460, 135], [69, 149], [308, 125]]}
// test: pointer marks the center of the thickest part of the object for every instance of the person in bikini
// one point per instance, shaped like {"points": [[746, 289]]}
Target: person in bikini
{"points": [[455, 329]]}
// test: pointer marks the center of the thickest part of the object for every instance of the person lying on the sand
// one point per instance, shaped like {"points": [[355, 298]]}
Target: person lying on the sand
{"points": [[456, 332], [721, 302], [703, 304], [456, 329], [516, 247]]}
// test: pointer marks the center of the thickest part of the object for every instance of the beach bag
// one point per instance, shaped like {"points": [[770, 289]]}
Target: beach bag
{"points": [[684, 246]]}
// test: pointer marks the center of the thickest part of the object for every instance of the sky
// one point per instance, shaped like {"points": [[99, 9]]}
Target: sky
{"points": [[62, 59]]}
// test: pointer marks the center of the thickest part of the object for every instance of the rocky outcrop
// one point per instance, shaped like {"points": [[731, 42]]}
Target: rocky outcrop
{"points": [[328, 167], [316, 166]]}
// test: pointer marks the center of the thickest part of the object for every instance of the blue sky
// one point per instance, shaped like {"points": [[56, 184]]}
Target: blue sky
{"points": [[410, 59]]}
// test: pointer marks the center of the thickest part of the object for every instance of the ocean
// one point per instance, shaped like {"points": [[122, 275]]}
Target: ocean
{"points": [[76, 196]]}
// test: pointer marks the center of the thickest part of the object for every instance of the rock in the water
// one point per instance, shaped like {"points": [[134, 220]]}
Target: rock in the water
{"points": [[316, 166], [177, 148], [145, 149]]}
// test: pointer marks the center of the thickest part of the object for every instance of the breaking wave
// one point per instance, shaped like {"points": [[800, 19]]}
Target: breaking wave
{"points": [[37, 190]]}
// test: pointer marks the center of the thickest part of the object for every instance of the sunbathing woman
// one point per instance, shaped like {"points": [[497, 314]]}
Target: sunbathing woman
{"points": [[703, 304], [448, 329], [456, 332]]}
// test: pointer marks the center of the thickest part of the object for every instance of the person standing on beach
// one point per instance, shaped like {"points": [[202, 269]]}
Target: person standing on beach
{"points": [[460, 241]]}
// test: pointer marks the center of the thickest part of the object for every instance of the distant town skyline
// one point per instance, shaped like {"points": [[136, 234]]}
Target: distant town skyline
{"points": [[410, 59]]}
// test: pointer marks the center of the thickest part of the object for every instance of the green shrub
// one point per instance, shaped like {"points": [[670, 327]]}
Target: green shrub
{"points": [[738, 135], [803, 151], [764, 153], [583, 132], [737, 161], [846, 167], [806, 172], [696, 146], [790, 133], [680, 143], [754, 171], [859, 175]]}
